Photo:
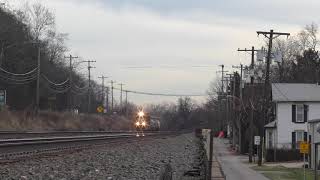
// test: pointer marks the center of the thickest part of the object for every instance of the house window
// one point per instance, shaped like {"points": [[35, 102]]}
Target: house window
{"points": [[300, 113], [299, 138]]}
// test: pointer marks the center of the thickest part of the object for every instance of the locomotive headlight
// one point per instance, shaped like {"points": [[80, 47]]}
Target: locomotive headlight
{"points": [[137, 123], [143, 123], [141, 114]]}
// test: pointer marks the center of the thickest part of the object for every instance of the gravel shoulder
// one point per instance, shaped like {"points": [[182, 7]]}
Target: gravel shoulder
{"points": [[144, 159]]}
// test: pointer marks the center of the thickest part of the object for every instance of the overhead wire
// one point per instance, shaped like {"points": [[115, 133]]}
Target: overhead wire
{"points": [[22, 74], [162, 94], [61, 87], [79, 90], [54, 83], [12, 81]]}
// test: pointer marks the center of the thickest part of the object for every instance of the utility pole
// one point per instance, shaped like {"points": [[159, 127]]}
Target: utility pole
{"points": [[241, 76], [107, 96], [38, 80], [222, 124], [269, 35], [102, 90], [126, 102], [228, 115], [252, 51], [112, 82], [233, 110], [239, 115], [89, 79], [70, 100], [222, 77], [121, 86]]}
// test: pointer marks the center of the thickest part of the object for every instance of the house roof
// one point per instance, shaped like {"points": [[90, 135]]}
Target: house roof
{"points": [[271, 125], [284, 92]]}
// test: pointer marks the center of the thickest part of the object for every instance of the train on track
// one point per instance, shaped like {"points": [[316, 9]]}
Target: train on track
{"points": [[145, 122]]}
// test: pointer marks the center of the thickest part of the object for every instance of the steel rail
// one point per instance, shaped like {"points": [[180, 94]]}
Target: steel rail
{"points": [[47, 140], [11, 149]]}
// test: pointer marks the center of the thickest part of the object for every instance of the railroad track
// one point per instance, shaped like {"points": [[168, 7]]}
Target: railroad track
{"points": [[28, 134], [17, 148]]}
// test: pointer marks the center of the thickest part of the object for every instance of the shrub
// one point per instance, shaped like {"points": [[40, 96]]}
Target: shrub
{"points": [[60, 121]]}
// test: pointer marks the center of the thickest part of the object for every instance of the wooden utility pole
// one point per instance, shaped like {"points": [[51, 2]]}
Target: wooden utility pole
{"points": [[102, 90], [241, 76], [252, 51], [89, 81], [126, 102], [70, 99], [107, 96], [266, 93], [221, 93], [38, 80], [241, 102], [112, 83], [121, 86], [229, 114], [222, 77]]}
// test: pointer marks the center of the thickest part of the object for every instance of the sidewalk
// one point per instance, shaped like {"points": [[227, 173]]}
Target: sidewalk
{"points": [[233, 165]]}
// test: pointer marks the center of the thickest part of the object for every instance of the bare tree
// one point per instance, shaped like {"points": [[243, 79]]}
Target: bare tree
{"points": [[308, 37], [39, 18], [56, 45]]}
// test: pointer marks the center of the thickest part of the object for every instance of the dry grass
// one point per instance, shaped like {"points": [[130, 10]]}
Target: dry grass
{"points": [[61, 121]]}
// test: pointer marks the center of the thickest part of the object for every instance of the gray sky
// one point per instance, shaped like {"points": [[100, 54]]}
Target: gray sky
{"points": [[179, 33]]}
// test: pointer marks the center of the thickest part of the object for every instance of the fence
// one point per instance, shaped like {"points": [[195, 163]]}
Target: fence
{"points": [[213, 167]]}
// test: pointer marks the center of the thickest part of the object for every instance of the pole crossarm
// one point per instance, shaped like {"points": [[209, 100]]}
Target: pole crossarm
{"points": [[265, 33]]}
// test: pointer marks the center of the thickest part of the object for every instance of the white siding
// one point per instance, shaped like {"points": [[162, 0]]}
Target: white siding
{"points": [[285, 125], [314, 110]]}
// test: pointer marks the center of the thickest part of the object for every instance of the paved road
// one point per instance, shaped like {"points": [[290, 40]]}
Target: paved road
{"points": [[232, 165]]}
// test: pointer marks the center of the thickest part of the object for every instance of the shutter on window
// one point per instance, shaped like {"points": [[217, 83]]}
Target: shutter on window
{"points": [[294, 113], [309, 138], [305, 113], [293, 140], [305, 137]]}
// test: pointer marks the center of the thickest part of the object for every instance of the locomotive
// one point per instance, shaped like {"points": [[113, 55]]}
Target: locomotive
{"points": [[144, 122]]}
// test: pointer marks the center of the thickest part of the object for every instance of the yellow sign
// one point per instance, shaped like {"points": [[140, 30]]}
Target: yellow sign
{"points": [[100, 109], [304, 147]]}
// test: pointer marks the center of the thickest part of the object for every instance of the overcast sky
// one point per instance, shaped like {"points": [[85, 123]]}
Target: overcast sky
{"points": [[176, 33]]}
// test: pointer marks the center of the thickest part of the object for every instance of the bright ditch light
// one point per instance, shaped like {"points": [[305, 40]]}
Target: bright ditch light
{"points": [[141, 114]]}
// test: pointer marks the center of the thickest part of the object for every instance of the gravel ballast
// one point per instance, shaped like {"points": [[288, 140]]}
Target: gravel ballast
{"points": [[143, 159]]}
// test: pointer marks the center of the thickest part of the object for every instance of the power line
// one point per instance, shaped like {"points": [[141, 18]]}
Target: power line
{"points": [[169, 67], [162, 94], [22, 74], [54, 83]]}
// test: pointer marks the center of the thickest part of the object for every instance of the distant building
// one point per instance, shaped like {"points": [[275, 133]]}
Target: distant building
{"points": [[295, 104]]}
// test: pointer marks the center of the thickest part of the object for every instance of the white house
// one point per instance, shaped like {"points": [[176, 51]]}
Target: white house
{"points": [[295, 104]]}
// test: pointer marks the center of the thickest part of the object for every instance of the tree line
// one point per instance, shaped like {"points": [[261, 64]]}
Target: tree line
{"points": [[22, 31]]}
